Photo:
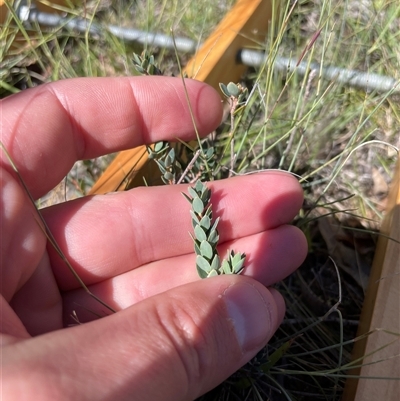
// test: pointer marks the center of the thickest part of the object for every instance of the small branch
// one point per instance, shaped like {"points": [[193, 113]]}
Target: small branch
{"points": [[189, 166]]}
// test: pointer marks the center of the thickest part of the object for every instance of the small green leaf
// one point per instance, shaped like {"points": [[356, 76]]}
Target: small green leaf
{"points": [[224, 89], [168, 161], [197, 248], [205, 222], [213, 237], [212, 273], [136, 59], [199, 186], [206, 250], [233, 89], [210, 152], [208, 212], [205, 195], [192, 192], [237, 257], [215, 263], [202, 263], [171, 153], [233, 264], [237, 265], [168, 176], [170, 158], [198, 206], [195, 218], [214, 227], [158, 146], [196, 244], [140, 70], [200, 234], [201, 272], [225, 268]]}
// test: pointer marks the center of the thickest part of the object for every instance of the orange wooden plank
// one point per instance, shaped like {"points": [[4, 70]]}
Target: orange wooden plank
{"points": [[246, 25], [123, 169], [215, 62], [381, 310]]}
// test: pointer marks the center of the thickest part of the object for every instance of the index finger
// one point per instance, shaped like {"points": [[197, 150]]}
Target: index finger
{"points": [[48, 128]]}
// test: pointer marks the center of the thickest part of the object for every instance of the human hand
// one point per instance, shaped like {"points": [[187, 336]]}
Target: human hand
{"points": [[174, 336]]}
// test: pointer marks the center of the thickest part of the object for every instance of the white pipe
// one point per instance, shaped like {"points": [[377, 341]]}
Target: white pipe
{"points": [[357, 79]]}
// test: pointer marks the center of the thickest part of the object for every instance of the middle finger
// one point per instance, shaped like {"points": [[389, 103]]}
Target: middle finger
{"points": [[104, 236]]}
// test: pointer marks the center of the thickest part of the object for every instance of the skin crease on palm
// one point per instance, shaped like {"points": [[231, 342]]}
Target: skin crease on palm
{"points": [[174, 336]]}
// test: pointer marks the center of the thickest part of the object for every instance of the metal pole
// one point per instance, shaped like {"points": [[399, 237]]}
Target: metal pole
{"points": [[31, 14], [357, 79]]}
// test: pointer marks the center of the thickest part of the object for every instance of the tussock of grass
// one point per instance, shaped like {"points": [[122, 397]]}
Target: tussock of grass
{"points": [[342, 143]]}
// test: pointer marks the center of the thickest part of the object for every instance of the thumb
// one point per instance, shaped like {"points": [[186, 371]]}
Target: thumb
{"points": [[173, 346]]}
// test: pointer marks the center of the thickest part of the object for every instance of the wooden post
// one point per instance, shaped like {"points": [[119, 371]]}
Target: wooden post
{"points": [[381, 310], [246, 24]]}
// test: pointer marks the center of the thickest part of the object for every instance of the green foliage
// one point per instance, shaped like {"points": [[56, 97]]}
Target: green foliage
{"points": [[182, 163], [164, 156], [206, 236], [234, 92], [205, 232], [145, 64], [234, 263]]}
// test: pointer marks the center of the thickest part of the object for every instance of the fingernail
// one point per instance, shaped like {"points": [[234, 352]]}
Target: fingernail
{"points": [[251, 314]]}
